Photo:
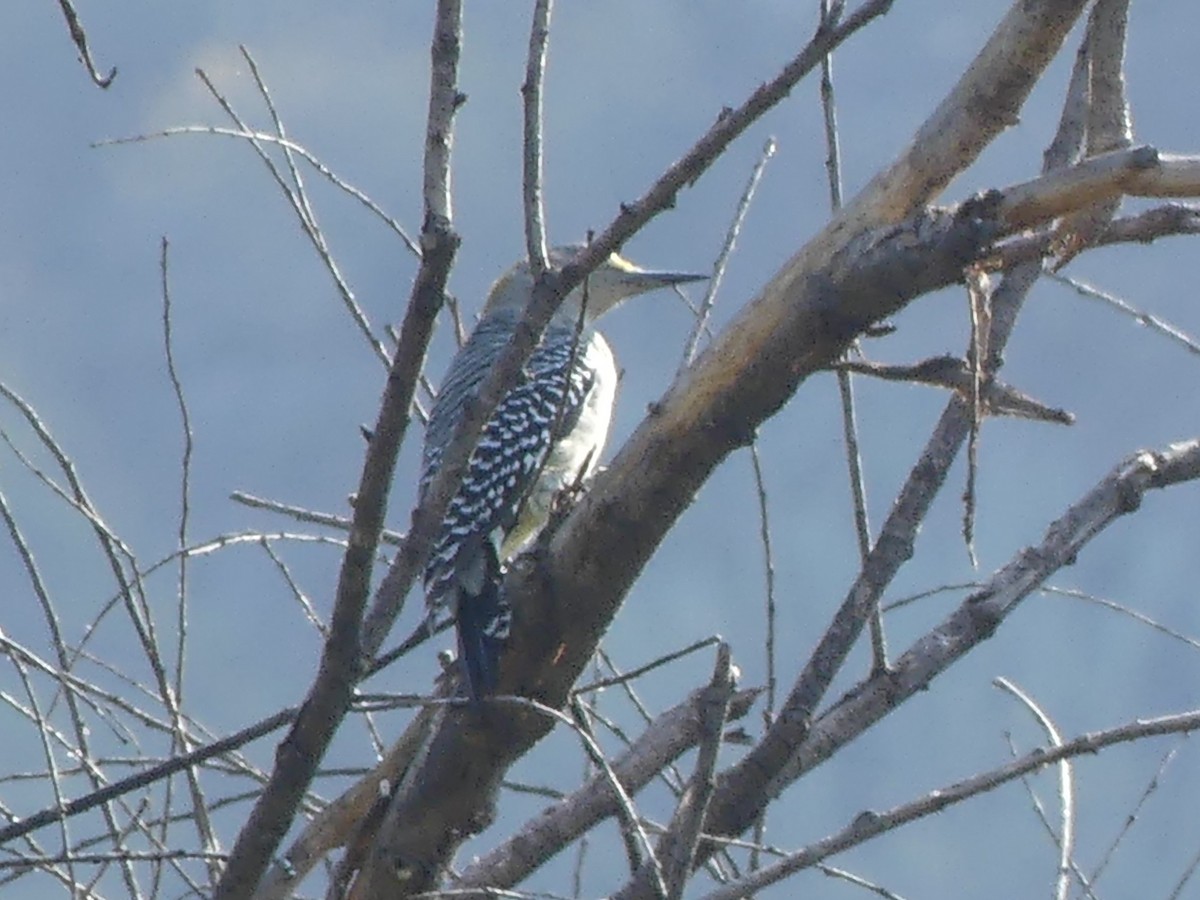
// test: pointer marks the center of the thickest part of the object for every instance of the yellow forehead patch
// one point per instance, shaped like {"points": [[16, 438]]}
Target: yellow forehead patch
{"points": [[619, 262]]}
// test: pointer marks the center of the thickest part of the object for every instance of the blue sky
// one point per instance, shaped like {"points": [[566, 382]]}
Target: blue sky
{"points": [[278, 380]]}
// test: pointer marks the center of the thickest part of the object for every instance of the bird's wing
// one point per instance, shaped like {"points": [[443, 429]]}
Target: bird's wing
{"points": [[512, 448]]}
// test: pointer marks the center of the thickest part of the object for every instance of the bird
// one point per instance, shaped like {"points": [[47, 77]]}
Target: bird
{"points": [[546, 434]]}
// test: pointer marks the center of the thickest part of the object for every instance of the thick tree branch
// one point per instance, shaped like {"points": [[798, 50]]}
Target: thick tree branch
{"points": [[558, 625], [1167, 220], [1108, 119], [342, 820], [866, 265], [1011, 62], [1137, 172], [663, 741], [553, 286]]}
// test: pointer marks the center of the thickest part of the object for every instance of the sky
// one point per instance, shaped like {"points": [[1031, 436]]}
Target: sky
{"points": [[278, 380]]}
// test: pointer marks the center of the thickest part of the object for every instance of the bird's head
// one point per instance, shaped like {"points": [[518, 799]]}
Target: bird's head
{"points": [[615, 280]]}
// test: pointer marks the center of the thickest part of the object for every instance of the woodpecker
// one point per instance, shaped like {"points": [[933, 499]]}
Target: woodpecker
{"points": [[546, 434]]}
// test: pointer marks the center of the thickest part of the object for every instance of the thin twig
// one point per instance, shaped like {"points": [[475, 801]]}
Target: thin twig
{"points": [[583, 844], [96, 798], [1189, 870], [79, 39], [300, 514], [531, 91], [179, 738], [1066, 788], [670, 774], [633, 674], [704, 312], [1044, 818], [1149, 320], [683, 835], [854, 463], [288, 145], [979, 314], [1151, 787], [298, 200], [628, 821], [306, 606], [764, 537], [625, 808]]}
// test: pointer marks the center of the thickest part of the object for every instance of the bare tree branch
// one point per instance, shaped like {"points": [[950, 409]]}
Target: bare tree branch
{"points": [[296, 194], [288, 145], [402, 822], [531, 90], [666, 739], [1143, 318], [1138, 172], [952, 373], [44, 817], [978, 616], [180, 737], [871, 824], [1013, 58], [329, 697], [1066, 779], [1167, 220], [79, 39], [1108, 120], [547, 295], [683, 835]]}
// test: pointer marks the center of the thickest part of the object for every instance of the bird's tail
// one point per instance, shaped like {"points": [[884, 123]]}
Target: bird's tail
{"points": [[483, 625], [481, 611]]}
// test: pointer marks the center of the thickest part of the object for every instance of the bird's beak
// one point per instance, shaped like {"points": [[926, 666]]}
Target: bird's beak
{"points": [[639, 281]]}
